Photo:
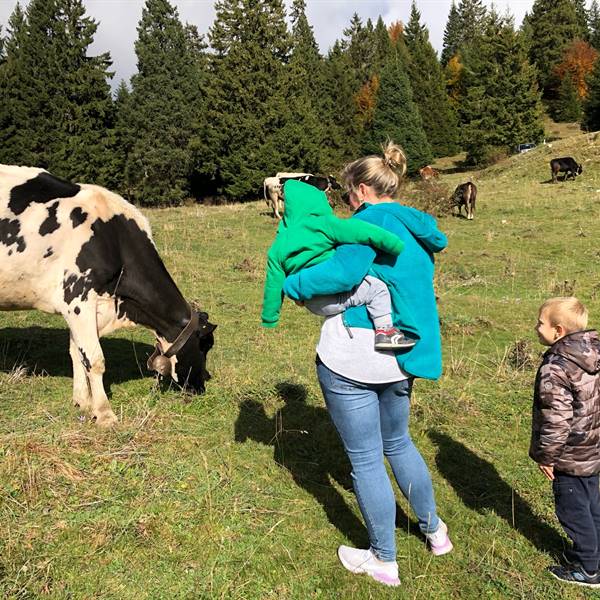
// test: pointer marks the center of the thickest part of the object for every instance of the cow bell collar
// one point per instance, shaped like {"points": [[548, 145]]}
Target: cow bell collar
{"points": [[159, 361]]}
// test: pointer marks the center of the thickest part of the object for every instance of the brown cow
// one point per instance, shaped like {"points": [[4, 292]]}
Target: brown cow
{"points": [[465, 195], [428, 172]]}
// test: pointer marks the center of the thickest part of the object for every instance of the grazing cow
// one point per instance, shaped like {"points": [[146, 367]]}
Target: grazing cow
{"points": [[465, 195], [321, 182], [273, 187], [566, 165], [428, 173], [273, 190], [85, 253]]}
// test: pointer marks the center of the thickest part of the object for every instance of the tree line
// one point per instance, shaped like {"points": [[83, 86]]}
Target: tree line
{"points": [[212, 116]]}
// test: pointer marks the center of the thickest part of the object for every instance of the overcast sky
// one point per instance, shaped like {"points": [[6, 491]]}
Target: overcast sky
{"points": [[118, 20]]}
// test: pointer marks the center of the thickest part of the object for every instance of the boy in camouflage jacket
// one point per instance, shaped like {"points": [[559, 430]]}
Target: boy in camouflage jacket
{"points": [[565, 435]]}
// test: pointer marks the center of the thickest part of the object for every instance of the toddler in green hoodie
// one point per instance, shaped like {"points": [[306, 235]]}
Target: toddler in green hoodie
{"points": [[308, 235]]}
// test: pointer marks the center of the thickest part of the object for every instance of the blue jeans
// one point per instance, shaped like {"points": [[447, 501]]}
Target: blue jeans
{"points": [[372, 420], [577, 502]]}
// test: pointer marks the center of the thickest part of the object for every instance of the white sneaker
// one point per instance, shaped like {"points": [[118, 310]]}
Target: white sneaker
{"points": [[364, 561], [438, 541]]}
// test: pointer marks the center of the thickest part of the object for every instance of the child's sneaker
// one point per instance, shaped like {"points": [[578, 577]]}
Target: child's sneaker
{"points": [[438, 541], [575, 574], [364, 561], [392, 339]]}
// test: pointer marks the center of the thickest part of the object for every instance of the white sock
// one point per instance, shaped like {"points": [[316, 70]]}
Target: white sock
{"points": [[383, 322]]}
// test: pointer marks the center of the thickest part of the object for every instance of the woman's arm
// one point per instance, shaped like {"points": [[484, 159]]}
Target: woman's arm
{"points": [[340, 273]]}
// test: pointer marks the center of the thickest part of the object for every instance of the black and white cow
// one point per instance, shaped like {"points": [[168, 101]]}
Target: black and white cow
{"points": [[273, 187], [85, 253], [566, 165]]}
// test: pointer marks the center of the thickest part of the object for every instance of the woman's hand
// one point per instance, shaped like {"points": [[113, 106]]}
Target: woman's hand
{"points": [[548, 471]]}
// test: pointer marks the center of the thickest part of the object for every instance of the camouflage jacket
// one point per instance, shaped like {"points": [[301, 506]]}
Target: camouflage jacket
{"points": [[565, 427]]}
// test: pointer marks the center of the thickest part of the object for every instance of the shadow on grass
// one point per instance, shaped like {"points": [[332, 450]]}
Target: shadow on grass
{"points": [[478, 484], [306, 443], [46, 350]]}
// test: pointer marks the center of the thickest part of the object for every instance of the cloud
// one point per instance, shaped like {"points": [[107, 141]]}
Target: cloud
{"points": [[118, 20]]}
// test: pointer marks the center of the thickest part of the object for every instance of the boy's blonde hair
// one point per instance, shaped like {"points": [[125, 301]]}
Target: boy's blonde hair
{"points": [[382, 173], [567, 311]]}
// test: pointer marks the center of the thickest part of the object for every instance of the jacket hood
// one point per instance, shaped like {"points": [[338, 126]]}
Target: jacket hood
{"points": [[303, 200], [581, 347], [421, 225]]}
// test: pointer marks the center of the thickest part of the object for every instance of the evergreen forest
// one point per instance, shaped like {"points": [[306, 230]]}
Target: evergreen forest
{"points": [[208, 117]]}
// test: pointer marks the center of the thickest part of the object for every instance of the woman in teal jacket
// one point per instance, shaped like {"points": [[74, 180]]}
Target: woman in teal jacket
{"points": [[367, 393]]}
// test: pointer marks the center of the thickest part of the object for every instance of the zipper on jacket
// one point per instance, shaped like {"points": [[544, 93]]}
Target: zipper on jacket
{"points": [[347, 326]]}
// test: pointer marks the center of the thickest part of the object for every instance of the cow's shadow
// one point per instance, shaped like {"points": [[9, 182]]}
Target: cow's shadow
{"points": [[46, 350], [480, 487], [306, 444]]}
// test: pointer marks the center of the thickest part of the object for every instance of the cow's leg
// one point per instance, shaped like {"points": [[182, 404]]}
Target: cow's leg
{"points": [[84, 332], [82, 396], [276, 205]]}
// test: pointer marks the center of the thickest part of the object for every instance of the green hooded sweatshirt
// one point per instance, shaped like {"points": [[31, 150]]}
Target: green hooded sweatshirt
{"points": [[308, 235]]}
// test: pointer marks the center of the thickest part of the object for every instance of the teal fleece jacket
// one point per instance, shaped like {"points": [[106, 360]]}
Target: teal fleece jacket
{"points": [[308, 235], [409, 278]]}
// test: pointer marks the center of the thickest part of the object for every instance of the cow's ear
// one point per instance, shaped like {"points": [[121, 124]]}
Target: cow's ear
{"points": [[202, 316]]}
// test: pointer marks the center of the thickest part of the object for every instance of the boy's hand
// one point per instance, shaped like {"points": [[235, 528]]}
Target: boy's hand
{"points": [[548, 471], [299, 302]]}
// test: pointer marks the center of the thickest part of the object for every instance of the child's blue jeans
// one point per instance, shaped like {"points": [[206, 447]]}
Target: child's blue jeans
{"points": [[372, 420], [577, 502]]}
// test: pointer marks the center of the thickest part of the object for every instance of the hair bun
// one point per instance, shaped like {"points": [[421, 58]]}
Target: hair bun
{"points": [[394, 157]]}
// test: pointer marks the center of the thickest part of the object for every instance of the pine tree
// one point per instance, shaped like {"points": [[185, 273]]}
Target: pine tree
{"points": [[166, 106], [594, 24], [591, 106], [553, 25], [301, 142], [343, 131], [568, 106], [582, 19], [358, 48], [58, 96], [471, 20], [428, 86], [382, 45], [397, 118], [502, 106], [452, 35], [87, 112], [13, 108], [251, 43]]}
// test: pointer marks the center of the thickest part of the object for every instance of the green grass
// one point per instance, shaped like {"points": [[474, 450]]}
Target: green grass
{"points": [[244, 492]]}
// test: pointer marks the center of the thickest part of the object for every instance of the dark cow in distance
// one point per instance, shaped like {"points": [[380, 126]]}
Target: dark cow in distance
{"points": [[83, 252], [428, 173], [465, 195], [273, 187], [566, 165]]}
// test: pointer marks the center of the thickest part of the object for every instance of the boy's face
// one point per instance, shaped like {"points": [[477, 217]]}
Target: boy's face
{"points": [[547, 333]]}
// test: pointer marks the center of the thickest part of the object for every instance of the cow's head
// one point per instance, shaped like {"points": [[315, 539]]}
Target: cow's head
{"points": [[187, 365], [333, 183], [579, 169]]}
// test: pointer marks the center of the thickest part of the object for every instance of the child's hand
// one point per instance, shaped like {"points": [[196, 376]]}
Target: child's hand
{"points": [[299, 302], [548, 471]]}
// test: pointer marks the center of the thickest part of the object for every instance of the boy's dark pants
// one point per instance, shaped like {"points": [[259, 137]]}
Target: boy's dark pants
{"points": [[577, 501]]}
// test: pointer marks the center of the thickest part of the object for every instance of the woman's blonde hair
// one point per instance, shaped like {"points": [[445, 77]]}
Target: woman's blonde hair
{"points": [[567, 311], [382, 173]]}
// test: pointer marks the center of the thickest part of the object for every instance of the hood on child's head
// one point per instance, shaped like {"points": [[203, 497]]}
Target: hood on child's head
{"points": [[581, 347], [303, 200]]}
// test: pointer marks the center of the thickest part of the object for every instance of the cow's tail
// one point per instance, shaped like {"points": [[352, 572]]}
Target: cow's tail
{"points": [[265, 192]]}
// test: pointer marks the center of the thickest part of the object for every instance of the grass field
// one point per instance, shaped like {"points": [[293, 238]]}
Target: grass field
{"points": [[244, 492]]}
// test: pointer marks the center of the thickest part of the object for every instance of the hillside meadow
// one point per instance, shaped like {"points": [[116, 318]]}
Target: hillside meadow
{"points": [[244, 492]]}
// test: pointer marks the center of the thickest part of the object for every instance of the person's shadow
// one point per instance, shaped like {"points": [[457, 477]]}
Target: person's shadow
{"points": [[306, 443], [478, 484]]}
